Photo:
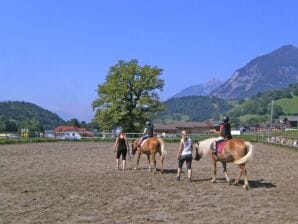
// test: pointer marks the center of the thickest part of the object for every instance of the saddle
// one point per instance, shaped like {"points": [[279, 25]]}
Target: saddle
{"points": [[220, 145], [143, 142]]}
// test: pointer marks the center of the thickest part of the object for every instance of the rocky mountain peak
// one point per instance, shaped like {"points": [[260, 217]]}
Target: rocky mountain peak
{"points": [[271, 71]]}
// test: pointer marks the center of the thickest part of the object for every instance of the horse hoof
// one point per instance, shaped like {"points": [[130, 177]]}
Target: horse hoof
{"points": [[213, 180], [245, 187], [135, 168]]}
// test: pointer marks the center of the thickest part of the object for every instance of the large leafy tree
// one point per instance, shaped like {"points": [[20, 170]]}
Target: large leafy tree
{"points": [[129, 96]]}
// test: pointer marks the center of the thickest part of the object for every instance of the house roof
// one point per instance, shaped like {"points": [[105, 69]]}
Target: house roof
{"points": [[290, 118], [64, 128]]}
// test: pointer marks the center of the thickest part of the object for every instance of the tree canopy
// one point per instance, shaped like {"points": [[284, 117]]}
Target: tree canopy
{"points": [[129, 96]]}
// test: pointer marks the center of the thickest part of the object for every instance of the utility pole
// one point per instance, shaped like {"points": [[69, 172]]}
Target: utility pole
{"points": [[272, 113]]}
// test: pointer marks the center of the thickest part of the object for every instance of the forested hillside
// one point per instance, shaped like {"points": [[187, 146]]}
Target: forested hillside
{"points": [[194, 108], [15, 115], [258, 108], [250, 111]]}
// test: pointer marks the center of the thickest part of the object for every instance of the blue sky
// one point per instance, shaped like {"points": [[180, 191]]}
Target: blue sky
{"points": [[54, 53]]}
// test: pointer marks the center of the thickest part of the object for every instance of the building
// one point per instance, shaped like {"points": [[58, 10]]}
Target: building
{"points": [[290, 121], [69, 128], [172, 129]]}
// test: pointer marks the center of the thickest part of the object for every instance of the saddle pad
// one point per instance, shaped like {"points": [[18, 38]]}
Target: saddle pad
{"points": [[143, 142], [220, 146]]}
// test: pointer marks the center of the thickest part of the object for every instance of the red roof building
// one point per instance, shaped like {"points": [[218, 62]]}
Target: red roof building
{"points": [[65, 128]]}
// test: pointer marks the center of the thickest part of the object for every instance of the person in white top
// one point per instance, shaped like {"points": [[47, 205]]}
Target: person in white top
{"points": [[184, 154]]}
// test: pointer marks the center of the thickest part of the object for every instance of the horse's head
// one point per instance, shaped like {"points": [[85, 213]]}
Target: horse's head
{"points": [[198, 156], [134, 146]]}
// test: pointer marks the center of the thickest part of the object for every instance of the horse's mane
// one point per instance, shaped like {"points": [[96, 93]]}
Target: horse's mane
{"points": [[204, 146]]}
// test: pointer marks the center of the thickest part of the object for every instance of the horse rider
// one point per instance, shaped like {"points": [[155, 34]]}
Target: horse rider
{"points": [[148, 132], [225, 133]]}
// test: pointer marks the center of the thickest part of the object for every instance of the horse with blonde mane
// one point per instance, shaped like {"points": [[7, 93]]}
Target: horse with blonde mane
{"points": [[235, 150], [150, 147]]}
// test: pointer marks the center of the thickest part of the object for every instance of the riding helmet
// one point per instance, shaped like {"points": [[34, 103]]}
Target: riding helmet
{"points": [[148, 122], [225, 119]]}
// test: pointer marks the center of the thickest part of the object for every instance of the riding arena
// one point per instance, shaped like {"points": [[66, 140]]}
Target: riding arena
{"points": [[76, 182]]}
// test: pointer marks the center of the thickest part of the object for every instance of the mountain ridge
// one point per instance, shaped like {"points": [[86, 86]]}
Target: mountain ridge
{"points": [[271, 71], [202, 89]]}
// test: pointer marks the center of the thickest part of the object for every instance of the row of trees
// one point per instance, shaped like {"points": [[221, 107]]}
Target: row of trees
{"points": [[12, 125]]}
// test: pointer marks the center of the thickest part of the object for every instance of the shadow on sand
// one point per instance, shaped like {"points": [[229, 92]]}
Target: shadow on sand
{"points": [[261, 184], [252, 183]]}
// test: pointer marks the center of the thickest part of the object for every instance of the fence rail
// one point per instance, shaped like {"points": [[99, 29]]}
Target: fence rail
{"points": [[280, 137]]}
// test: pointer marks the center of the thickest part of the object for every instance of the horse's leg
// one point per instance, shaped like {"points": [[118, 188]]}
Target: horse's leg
{"points": [[138, 159], [154, 162], [224, 165], [236, 182], [148, 157], [162, 159], [244, 172], [214, 170]]}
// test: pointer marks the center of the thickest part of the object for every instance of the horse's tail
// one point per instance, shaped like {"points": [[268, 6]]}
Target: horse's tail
{"points": [[248, 155], [162, 147]]}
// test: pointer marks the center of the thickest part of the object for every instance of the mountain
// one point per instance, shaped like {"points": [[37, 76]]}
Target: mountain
{"points": [[196, 108], [22, 111], [202, 89], [268, 72]]}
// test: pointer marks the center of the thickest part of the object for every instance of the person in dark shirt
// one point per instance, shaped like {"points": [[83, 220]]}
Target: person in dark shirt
{"points": [[224, 132], [121, 147]]}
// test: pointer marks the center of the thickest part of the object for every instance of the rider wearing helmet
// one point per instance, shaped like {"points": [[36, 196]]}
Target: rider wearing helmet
{"points": [[148, 132], [224, 131], [225, 128]]}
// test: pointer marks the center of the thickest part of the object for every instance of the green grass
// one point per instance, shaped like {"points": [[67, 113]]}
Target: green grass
{"points": [[289, 105], [247, 117]]}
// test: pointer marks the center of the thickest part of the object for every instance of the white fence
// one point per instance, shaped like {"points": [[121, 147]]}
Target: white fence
{"points": [[281, 137]]}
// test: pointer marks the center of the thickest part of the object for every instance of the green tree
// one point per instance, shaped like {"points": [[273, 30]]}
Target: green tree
{"points": [[129, 96], [32, 125], [74, 122], [2, 124], [11, 125]]}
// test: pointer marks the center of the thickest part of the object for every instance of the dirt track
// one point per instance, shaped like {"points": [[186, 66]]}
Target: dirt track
{"points": [[76, 183]]}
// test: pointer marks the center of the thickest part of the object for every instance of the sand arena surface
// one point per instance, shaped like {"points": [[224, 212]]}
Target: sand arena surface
{"points": [[74, 182]]}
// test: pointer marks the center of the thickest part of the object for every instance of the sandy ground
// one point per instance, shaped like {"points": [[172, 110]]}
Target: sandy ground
{"points": [[75, 182]]}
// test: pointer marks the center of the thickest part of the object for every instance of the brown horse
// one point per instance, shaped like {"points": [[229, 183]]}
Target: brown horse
{"points": [[150, 147], [235, 150]]}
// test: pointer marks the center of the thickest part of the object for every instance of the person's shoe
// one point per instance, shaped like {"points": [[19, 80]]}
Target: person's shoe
{"points": [[189, 180], [178, 178]]}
